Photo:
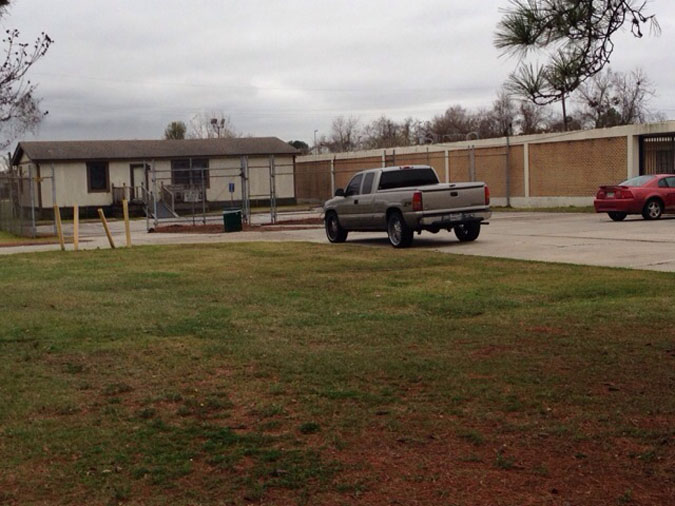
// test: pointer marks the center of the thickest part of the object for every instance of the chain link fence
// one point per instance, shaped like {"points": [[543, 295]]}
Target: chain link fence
{"points": [[21, 191], [197, 190]]}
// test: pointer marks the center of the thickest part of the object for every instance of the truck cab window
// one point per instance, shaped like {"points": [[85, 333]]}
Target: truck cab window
{"points": [[354, 185], [368, 183]]}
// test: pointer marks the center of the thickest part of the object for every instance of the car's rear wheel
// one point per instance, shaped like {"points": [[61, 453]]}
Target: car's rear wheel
{"points": [[334, 231], [399, 233], [617, 215], [653, 209], [466, 232]]}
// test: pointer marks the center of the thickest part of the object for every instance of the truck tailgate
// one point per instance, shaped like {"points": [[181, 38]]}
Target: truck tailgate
{"points": [[453, 197]]}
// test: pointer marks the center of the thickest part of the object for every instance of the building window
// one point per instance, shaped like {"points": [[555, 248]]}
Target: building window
{"points": [[98, 177], [188, 172]]}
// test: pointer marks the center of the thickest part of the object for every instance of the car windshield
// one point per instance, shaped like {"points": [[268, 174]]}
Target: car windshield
{"points": [[637, 181]]}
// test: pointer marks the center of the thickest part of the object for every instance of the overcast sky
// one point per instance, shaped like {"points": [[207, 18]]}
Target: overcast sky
{"points": [[124, 69]]}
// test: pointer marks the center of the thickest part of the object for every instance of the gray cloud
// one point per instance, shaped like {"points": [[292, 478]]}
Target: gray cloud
{"points": [[124, 69]]}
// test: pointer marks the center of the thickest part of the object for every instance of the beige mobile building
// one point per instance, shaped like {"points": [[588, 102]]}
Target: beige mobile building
{"points": [[177, 173]]}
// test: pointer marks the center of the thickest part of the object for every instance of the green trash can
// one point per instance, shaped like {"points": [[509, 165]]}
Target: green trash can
{"points": [[232, 220]]}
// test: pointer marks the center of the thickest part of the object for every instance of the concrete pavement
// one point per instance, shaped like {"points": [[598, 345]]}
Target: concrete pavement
{"points": [[590, 239]]}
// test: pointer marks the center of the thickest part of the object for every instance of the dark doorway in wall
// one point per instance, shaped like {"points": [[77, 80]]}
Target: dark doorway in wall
{"points": [[657, 154]]}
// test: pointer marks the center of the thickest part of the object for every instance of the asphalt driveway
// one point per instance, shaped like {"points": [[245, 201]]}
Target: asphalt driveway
{"points": [[591, 239]]}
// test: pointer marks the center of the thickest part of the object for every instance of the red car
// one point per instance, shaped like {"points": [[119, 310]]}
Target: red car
{"points": [[650, 196]]}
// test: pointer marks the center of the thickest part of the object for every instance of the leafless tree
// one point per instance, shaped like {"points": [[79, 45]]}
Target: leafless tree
{"points": [[503, 113], [412, 131], [382, 133], [531, 118], [212, 125], [613, 98], [345, 135], [19, 107], [453, 125], [575, 36], [634, 91]]}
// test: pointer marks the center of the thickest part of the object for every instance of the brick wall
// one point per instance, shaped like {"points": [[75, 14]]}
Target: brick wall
{"points": [[558, 168], [490, 167], [576, 168]]}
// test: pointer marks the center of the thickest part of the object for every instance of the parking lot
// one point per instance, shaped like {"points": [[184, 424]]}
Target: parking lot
{"points": [[579, 238]]}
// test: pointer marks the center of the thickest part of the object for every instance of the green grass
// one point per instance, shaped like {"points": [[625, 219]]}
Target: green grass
{"points": [[220, 374]]}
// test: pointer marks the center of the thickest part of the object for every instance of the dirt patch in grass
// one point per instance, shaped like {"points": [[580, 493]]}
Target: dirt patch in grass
{"points": [[299, 224], [383, 469]]}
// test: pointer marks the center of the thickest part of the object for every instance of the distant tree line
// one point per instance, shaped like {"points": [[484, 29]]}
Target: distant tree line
{"points": [[604, 100]]}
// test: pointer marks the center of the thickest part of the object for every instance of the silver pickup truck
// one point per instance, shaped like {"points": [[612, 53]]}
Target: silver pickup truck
{"points": [[404, 200]]}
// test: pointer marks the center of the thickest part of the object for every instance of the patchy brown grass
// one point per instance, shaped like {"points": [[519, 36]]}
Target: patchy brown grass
{"points": [[312, 374]]}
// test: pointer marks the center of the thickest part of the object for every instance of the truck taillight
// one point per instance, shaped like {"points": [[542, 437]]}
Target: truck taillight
{"points": [[417, 204], [487, 195]]}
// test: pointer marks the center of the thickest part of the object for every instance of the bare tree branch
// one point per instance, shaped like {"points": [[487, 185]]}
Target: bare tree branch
{"points": [[19, 109]]}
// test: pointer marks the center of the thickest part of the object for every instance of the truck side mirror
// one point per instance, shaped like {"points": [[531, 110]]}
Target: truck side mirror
{"points": [[339, 192]]}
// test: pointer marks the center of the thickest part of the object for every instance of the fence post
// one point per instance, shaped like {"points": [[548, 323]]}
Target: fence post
{"points": [[472, 163], [105, 227], [31, 190], [192, 187], [54, 197], [10, 213], [332, 177], [154, 194], [245, 211], [76, 227], [203, 197], [19, 200], [384, 158], [125, 214], [273, 190], [508, 172], [447, 166], [59, 229]]}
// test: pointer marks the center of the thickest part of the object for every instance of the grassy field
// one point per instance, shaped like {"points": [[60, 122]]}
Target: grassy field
{"points": [[317, 374]]}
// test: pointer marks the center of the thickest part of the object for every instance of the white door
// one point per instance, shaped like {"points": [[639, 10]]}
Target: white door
{"points": [[137, 180]]}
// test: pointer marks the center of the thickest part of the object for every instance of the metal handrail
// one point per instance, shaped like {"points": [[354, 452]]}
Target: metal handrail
{"points": [[166, 192]]}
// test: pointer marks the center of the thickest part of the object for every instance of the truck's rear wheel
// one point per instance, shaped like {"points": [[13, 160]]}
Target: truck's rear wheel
{"points": [[399, 233], [334, 231], [466, 232]]}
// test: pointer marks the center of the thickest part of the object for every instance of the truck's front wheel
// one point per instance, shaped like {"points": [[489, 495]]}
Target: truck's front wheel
{"points": [[334, 231], [399, 233], [466, 232]]}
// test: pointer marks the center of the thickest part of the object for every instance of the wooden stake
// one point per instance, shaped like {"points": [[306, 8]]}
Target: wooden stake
{"points": [[59, 229], [105, 227], [76, 227], [127, 230]]}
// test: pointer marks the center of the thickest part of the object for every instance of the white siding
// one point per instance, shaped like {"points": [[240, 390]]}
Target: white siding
{"points": [[72, 187]]}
